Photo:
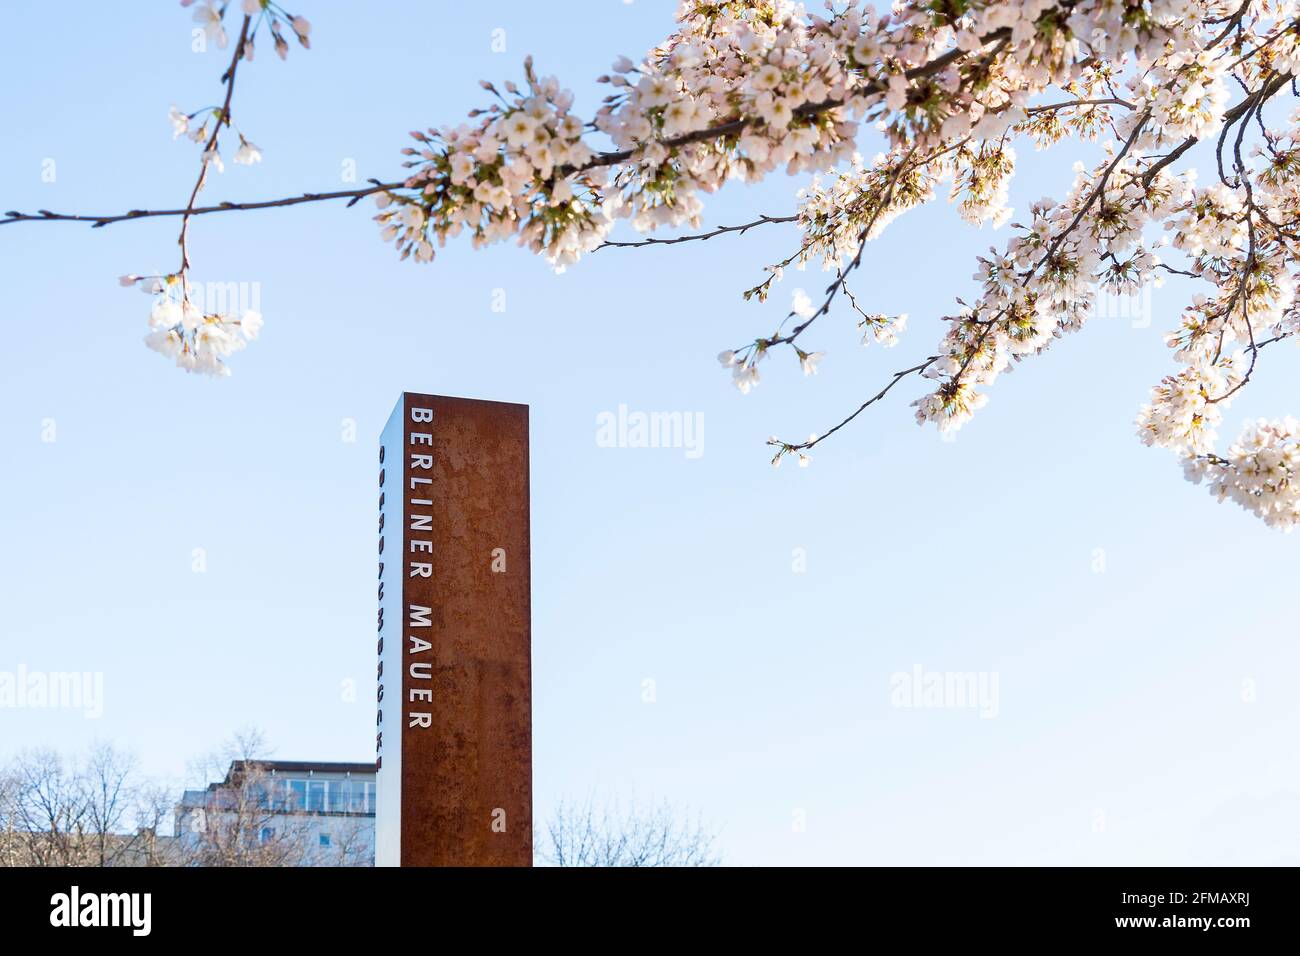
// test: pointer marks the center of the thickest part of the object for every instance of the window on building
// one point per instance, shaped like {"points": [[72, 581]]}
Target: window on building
{"points": [[324, 839], [266, 834], [338, 796], [316, 795], [357, 800], [362, 796], [296, 796]]}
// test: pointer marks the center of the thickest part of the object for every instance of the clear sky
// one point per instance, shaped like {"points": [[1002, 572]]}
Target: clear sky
{"points": [[1143, 637]]}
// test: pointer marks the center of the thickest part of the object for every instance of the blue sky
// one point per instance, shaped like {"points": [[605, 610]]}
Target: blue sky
{"points": [[1145, 713]]}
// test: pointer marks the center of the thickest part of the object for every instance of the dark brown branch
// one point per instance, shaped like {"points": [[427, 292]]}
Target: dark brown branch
{"points": [[898, 377], [354, 195], [701, 236], [210, 147], [1070, 104], [841, 274], [1229, 117]]}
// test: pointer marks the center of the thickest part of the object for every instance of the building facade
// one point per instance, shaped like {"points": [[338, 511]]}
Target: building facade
{"points": [[281, 813]]}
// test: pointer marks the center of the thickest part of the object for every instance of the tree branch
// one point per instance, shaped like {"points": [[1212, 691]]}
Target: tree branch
{"points": [[612, 158], [812, 442], [719, 231], [353, 195], [210, 148]]}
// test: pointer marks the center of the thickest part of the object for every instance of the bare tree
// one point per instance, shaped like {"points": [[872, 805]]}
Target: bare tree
{"points": [[48, 812], [61, 811], [11, 847], [153, 814], [610, 836], [236, 823], [99, 811], [108, 785], [352, 844]]}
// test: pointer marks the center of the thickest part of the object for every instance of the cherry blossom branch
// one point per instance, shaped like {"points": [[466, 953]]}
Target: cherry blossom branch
{"points": [[610, 158], [804, 111], [906, 164], [352, 195], [954, 381], [1229, 117], [988, 325], [701, 236], [732, 96], [864, 236], [200, 339], [1097, 191], [853, 302], [1256, 346], [1070, 104], [1232, 22], [210, 147], [223, 119], [1240, 293], [784, 448]]}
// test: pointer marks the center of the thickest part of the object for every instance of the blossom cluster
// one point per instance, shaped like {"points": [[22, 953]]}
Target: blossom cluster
{"points": [[1261, 472], [858, 203], [519, 171], [181, 331], [1185, 409], [211, 16], [882, 329]]}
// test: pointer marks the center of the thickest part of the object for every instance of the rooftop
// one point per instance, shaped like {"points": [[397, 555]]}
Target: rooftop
{"points": [[301, 766]]}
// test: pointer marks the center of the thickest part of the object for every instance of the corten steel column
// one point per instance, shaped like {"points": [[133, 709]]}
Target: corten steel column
{"points": [[454, 722]]}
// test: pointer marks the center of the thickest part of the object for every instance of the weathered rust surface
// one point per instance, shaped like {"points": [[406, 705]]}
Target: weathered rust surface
{"points": [[465, 710]]}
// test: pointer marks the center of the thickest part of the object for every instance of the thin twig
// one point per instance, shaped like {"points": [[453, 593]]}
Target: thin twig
{"points": [[719, 231], [354, 195], [210, 147], [898, 377]]}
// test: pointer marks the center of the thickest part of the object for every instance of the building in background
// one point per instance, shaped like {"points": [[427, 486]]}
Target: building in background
{"points": [[281, 813]]}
